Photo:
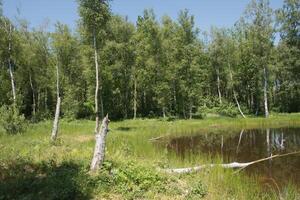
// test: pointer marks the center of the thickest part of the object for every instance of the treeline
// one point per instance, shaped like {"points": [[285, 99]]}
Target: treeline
{"points": [[154, 67]]}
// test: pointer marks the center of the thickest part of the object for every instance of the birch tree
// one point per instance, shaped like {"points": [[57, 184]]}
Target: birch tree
{"points": [[94, 17], [258, 18]]}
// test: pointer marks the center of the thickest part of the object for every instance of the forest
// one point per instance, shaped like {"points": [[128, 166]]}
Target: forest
{"points": [[184, 111], [154, 68]]}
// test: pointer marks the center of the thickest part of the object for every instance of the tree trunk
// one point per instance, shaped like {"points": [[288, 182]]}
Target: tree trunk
{"points": [[135, 99], [191, 111], [227, 165], [33, 97], [101, 104], [238, 104], [99, 151], [234, 95], [164, 112], [11, 74], [265, 93], [97, 86], [56, 120], [218, 85], [57, 110]]}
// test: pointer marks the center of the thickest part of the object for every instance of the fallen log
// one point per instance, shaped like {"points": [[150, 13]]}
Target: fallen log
{"points": [[227, 165]]}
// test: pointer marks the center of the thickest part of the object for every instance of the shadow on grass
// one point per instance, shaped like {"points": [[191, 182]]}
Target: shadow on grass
{"points": [[25, 180], [125, 128]]}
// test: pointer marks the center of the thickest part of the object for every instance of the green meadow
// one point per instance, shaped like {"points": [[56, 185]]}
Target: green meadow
{"points": [[31, 167]]}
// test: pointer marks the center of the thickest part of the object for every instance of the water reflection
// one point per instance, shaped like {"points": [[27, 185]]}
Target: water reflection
{"points": [[245, 146]]}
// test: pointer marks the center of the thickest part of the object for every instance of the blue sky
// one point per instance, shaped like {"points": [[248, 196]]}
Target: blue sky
{"points": [[220, 13]]}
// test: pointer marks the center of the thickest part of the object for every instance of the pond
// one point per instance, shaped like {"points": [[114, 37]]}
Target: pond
{"points": [[245, 146]]}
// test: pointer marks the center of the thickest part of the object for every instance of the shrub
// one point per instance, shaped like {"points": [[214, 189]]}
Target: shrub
{"points": [[228, 109], [198, 191], [136, 180], [11, 121]]}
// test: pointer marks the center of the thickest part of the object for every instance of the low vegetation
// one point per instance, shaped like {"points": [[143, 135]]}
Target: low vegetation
{"points": [[31, 167]]}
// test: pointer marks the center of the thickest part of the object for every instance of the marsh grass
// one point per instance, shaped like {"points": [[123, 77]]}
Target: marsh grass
{"points": [[30, 159]]}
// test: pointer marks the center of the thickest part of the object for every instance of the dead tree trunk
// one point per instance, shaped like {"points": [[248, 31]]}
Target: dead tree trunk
{"points": [[99, 151], [265, 93], [135, 98], [227, 165], [57, 110], [97, 85], [11, 74]]}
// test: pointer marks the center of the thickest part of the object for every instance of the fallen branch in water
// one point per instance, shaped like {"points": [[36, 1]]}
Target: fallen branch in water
{"points": [[229, 165]]}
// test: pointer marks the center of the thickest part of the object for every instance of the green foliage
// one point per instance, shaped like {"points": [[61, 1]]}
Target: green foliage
{"points": [[133, 180], [198, 191], [11, 121], [159, 68]]}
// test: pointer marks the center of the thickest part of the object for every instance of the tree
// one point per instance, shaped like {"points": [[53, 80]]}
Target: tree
{"points": [[118, 61], [95, 15], [288, 65], [258, 25]]}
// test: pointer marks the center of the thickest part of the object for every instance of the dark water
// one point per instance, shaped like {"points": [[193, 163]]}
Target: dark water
{"points": [[248, 145]]}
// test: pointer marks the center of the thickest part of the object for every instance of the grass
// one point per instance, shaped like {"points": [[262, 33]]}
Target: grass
{"points": [[33, 168]]}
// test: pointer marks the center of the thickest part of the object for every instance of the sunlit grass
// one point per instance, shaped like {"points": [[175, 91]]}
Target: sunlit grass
{"points": [[129, 140]]}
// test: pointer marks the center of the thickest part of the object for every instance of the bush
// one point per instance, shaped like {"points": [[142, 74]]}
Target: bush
{"points": [[11, 121], [198, 191], [133, 181], [227, 109]]}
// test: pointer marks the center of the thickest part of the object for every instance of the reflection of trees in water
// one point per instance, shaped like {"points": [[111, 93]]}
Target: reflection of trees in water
{"points": [[247, 145]]}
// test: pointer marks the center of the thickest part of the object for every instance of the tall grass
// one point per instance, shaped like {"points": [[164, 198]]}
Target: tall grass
{"points": [[129, 141]]}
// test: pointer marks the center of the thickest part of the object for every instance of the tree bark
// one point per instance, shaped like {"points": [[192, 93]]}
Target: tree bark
{"points": [[218, 85], [135, 98], [97, 85], [164, 112], [234, 95], [56, 120], [265, 93], [191, 111], [99, 152], [57, 110], [11, 74], [227, 165]]}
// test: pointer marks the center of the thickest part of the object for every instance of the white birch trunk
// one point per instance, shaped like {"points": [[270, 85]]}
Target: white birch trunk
{"points": [[265, 93], [234, 95], [218, 85], [99, 152], [191, 111], [135, 98], [11, 74], [56, 120], [97, 86], [227, 165], [164, 112], [57, 110]]}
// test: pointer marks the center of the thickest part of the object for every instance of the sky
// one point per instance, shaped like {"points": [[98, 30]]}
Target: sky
{"points": [[208, 13]]}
